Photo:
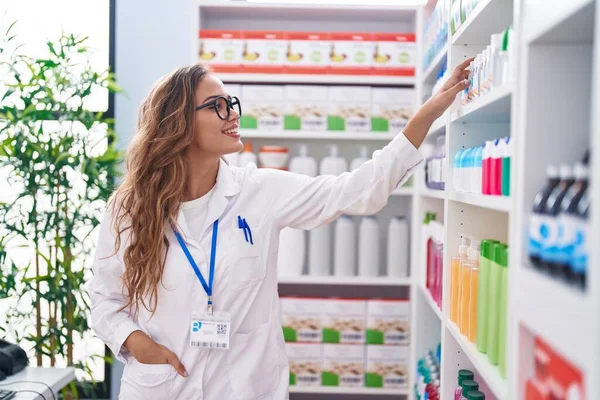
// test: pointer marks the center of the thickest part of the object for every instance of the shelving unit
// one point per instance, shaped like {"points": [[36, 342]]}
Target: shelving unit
{"points": [[239, 15], [347, 390], [552, 40], [430, 74]]}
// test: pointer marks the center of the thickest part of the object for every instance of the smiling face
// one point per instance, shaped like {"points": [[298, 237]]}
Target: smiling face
{"points": [[215, 136]]}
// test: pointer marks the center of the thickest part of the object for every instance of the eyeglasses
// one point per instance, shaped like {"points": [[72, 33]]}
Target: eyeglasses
{"points": [[223, 106]]}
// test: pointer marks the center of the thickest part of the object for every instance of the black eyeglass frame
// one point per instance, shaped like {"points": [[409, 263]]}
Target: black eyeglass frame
{"points": [[232, 101]]}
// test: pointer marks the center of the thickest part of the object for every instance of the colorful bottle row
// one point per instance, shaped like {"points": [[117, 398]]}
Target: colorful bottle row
{"points": [[484, 169], [468, 388], [491, 68], [427, 384], [435, 31], [434, 237], [558, 229], [478, 296]]}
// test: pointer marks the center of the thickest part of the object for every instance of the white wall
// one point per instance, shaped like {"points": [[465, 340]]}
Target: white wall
{"points": [[153, 37]]}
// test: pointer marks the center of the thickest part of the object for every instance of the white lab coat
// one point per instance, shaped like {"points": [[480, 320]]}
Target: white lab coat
{"points": [[245, 282]]}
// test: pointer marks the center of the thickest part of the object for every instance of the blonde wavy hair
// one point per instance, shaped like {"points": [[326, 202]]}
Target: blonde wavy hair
{"points": [[152, 190]]}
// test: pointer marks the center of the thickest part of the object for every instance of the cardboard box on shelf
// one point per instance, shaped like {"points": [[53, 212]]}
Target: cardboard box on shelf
{"points": [[305, 108], [264, 51], [391, 109], [305, 363], [388, 322], [222, 49], [387, 366], [301, 319], [262, 107], [307, 52], [343, 365], [344, 321], [394, 54], [351, 53], [349, 109]]}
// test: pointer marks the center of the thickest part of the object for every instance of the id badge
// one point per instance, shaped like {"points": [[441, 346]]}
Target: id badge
{"points": [[210, 331]]}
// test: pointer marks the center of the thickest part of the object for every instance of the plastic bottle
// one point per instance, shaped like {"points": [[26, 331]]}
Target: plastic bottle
{"points": [[303, 163], [581, 250], [550, 243], [538, 216], [457, 171], [368, 247], [494, 71], [292, 252], [397, 247], [485, 260], [506, 158], [333, 164], [427, 234], [455, 277], [358, 161], [463, 375], [344, 243], [475, 395], [473, 291], [486, 167], [319, 252], [478, 170], [439, 248], [465, 286], [496, 168], [464, 170], [467, 387], [566, 221], [247, 156], [503, 314], [494, 303]]}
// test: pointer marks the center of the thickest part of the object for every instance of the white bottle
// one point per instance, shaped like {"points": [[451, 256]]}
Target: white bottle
{"points": [[397, 248], [495, 69], [319, 252], [292, 252], [368, 247], [247, 156], [292, 242], [303, 164], [358, 161], [333, 164], [344, 244]]}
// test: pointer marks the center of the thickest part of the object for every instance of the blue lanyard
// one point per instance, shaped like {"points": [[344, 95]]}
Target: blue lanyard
{"points": [[211, 272]]}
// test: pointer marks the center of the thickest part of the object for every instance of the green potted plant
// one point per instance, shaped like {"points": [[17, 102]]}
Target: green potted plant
{"points": [[59, 162]]}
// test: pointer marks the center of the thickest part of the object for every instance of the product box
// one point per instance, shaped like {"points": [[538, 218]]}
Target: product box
{"points": [[391, 109], [221, 49], [388, 322], [344, 321], [349, 109], [307, 53], [263, 107], [264, 51], [394, 54], [343, 365], [305, 108], [301, 319], [305, 363], [351, 53], [387, 366]]}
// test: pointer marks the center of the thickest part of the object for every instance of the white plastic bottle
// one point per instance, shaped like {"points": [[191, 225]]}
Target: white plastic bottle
{"points": [[333, 164], [344, 245], [303, 163], [358, 161], [247, 156], [292, 242], [368, 247], [319, 252], [397, 247], [495, 71]]}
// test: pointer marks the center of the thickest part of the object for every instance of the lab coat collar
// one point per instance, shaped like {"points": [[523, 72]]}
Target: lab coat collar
{"points": [[226, 186]]}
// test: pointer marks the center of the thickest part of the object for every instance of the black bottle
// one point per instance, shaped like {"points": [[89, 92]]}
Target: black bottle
{"points": [[537, 216]]}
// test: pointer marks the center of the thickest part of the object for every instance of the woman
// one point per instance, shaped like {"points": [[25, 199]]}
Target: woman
{"points": [[183, 225]]}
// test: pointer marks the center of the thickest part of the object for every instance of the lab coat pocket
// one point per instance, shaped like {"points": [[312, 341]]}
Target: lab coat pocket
{"points": [[246, 262], [252, 363], [146, 381]]}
